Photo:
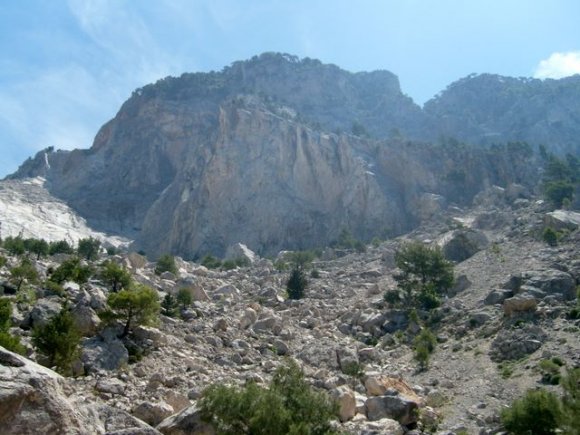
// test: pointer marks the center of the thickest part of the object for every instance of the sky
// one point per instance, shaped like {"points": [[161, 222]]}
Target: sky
{"points": [[67, 66]]}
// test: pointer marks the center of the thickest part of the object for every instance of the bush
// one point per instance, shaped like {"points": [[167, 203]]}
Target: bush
{"points": [[71, 270], [166, 263], [88, 248], [60, 247], [115, 276], [184, 297], [24, 272], [424, 345], [550, 236], [169, 306], [296, 284], [136, 306], [3, 261], [287, 406], [537, 413], [14, 245], [425, 275], [58, 341], [7, 340], [210, 262], [569, 422]]}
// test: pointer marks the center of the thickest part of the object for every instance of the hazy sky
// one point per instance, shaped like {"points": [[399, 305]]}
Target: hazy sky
{"points": [[67, 66]]}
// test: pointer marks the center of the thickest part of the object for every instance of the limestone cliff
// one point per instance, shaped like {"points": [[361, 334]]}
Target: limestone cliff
{"points": [[261, 153]]}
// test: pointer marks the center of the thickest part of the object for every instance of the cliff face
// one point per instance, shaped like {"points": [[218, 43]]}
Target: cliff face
{"points": [[261, 153], [486, 109]]}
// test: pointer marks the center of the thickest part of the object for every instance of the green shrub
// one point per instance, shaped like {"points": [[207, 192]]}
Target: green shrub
{"points": [[288, 406], [166, 263], [136, 306], [424, 345], [184, 297], [71, 270], [550, 236], [115, 276], [315, 274], [53, 287], [60, 247], [25, 271], [569, 422], [550, 372], [88, 248], [169, 306], [7, 340], [14, 245], [228, 265], [425, 275], [537, 413], [3, 261], [58, 341], [296, 284], [210, 262]]}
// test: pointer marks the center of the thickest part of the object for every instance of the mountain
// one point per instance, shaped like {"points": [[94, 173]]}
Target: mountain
{"points": [[487, 108], [282, 153]]}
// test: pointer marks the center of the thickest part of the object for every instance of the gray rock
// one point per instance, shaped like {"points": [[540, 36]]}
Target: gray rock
{"points": [[519, 304], [461, 284], [513, 344], [396, 407], [152, 413], [551, 281], [239, 250], [42, 311], [185, 422], [497, 296], [562, 220], [86, 320], [98, 354], [345, 399], [459, 245], [110, 386]]}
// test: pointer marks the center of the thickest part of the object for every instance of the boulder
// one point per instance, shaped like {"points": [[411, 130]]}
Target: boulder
{"points": [[396, 407], [186, 422], [429, 205], [42, 311], [514, 344], [241, 251], [459, 245], [136, 261], [32, 400], [152, 413], [551, 281], [227, 291], [248, 318], [497, 296], [378, 385], [148, 333], [345, 400], [461, 284], [110, 386], [519, 303], [86, 320], [562, 220], [99, 354]]}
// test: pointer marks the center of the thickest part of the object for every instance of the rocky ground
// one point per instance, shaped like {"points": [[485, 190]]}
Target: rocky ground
{"points": [[507, 312]]}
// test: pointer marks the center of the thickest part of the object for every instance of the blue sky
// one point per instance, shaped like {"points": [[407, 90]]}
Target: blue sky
{"points": [[67, 66]]}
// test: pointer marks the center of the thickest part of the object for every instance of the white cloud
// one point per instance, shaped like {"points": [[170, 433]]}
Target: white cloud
{"points": [[559, 65]]}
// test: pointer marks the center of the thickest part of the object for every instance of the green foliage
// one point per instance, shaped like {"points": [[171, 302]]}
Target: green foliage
{"points": [[166, 263], [287, 406], [58, 341], [24, 272], [537, 413], [115, 276], [347, 241], [3, 261], [14, 245], [59, 247], [229, 265], [424, 345], [425, 275], [550, 236], [210, 262], [136, 306], [7, 340], [560, 180], [88, 248], [550, 372], [169, 306], [39, 247], [315, 274], [184, 297], [392, 297], [357, 129], [569, 422], [296, 284], [53, 287], [71, 270]]}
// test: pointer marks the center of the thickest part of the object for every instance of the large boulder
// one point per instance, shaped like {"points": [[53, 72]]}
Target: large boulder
{"points": [[32, 400], [240, 251], [395, 406], [562, 220], [519, 304], [186, 422], [42, 312], [103, 354], [86, 320], [152, 413], [551, 281], [459, 245], [345, 400]]}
